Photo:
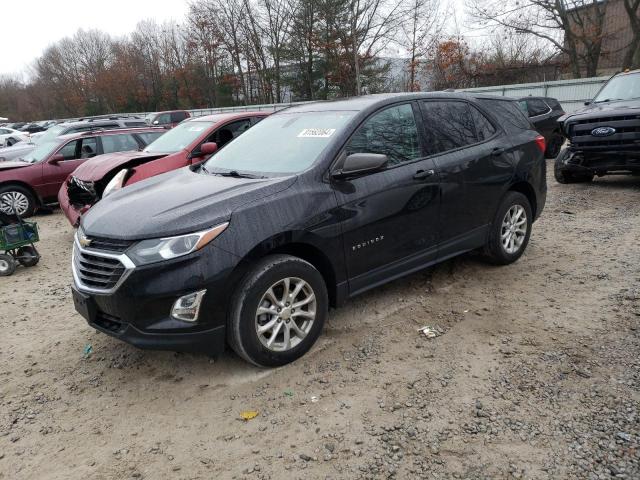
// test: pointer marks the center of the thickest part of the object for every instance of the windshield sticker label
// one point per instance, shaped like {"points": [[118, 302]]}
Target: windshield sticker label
{"points": [[316, 133]]}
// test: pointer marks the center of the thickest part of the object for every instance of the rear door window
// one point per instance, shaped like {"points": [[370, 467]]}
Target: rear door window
{"points": [[391, 132], [484, 128], [508, 113], [448, 124]]}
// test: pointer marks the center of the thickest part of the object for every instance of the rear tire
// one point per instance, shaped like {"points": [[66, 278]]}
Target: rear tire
{"points": [[267, 326], [510, 230], [25, 202], [28, 256], [7, 265]]}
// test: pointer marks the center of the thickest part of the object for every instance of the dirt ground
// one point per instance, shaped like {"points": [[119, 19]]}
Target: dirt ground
{"points": [[536, 373]]}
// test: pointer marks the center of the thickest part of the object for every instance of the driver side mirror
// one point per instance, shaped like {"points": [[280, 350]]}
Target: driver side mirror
{"points": [[208, 148], [361, 163], [56, 159]]}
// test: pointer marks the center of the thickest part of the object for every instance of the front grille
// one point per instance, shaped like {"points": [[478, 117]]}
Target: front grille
{"points": [[80, 192], [109, 244], [626, 136], [97, 271]]}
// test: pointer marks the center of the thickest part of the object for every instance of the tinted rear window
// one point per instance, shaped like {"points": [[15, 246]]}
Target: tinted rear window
{"points": [[448, 124], [508, 113]]}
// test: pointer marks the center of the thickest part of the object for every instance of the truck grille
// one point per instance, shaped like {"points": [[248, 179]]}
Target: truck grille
{"points": [[626, 136], [81, 192]]}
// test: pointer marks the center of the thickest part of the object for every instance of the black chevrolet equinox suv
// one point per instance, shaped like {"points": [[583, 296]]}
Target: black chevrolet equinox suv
{"points": [[315, 204]]}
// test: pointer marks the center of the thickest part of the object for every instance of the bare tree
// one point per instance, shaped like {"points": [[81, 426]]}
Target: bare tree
{"points": [[574, 27], [418, 34]]}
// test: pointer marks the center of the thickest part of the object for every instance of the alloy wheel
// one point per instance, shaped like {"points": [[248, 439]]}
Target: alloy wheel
{"points": [[14, 200], [514, 229], [285, 314]]}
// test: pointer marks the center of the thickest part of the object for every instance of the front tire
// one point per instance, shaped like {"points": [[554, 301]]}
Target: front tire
{"points": [[18, 196], [7, 265], [510, 230], [278, 311]]}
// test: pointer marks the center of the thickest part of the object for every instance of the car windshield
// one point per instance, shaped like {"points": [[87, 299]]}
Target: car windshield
{"points": [[282, 143], [49, 135], [622, 87], [179, 137], [41, 152]]}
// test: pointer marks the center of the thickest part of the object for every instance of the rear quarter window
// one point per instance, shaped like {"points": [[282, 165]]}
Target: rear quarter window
{"points": [[508, 113]]}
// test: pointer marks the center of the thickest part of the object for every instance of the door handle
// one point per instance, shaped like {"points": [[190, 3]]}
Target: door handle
{"points": [[497, 151], [422, 174]]}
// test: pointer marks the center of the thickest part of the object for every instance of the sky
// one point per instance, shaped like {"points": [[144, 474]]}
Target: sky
{"points": [[27, 28], [30, 30]]}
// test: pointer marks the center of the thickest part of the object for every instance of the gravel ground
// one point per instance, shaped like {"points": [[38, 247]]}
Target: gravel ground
{"points": [[535, 373]]}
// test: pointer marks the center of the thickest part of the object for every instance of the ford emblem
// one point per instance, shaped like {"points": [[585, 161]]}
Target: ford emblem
{"points": [[603, 131]]}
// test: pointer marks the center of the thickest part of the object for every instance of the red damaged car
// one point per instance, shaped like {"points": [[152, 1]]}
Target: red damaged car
{"points": [[190, 143], [32, 181]]}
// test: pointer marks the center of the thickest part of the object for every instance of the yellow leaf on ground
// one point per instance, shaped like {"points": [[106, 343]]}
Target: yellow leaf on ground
{"points": [[248, 415]]}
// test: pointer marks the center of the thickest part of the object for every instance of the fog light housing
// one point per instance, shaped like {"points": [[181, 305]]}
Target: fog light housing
{"points": [[187, 307]]}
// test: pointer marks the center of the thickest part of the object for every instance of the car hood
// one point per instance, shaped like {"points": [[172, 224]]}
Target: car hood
{"points": [[9, 165], [96, 168], [594, 110], [17, 150], [176, 202]]}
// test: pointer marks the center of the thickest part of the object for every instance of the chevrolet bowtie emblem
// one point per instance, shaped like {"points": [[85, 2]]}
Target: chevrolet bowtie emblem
{"points": [[84, 241]]}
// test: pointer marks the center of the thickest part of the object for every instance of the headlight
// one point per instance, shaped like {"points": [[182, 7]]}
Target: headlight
{"points": [[158, 249], [116, 182]]}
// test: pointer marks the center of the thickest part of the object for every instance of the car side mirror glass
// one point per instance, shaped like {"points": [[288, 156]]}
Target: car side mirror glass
{"points": [[56, 159], [361, 163], [208, 148]]}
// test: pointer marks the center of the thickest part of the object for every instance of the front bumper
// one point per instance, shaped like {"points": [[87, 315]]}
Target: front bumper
{"points": [[72, 213], [601, 162], [138, 310]]}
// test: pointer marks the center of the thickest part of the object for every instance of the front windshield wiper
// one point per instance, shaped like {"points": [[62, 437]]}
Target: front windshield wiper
{"points": [[608, 100], [236, 174]]}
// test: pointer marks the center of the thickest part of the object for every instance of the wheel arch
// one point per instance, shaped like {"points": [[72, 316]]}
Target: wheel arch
{"points": [[528, 191], [27, 187], [289, 244]]}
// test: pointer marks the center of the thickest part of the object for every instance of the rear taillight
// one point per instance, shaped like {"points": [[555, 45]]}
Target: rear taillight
{"points": [[542, 145]]}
